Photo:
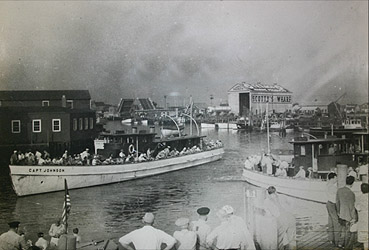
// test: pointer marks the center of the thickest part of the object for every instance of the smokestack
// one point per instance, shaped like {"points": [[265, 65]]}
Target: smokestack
{"points": [[64, 101]]}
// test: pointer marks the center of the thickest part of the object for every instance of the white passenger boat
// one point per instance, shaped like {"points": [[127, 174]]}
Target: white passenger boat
{"points": [[207, 125], [311, 153], [33, 179], [225, 125]]}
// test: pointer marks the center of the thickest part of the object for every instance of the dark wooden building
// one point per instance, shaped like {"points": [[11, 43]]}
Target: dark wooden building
{"points": [[51, 120]]}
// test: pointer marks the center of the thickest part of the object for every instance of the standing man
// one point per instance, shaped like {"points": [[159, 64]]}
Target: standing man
{"points": [[334, 227], [147, 237], [11, 240], [224, 236], [345, 203], [243, 232], [56, 230], [201, 227], [186, 240]]}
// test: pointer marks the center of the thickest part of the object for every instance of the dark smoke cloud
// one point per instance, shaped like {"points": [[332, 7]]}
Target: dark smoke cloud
{"points": [[318, 50]]}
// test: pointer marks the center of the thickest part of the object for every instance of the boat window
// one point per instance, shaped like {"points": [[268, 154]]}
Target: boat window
{"points": [[75, 124], [80, 123], [91, 122], [303, 151], [86, 123]]}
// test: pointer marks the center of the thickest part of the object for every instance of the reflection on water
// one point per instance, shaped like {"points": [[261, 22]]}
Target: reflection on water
{"points": [[112, 210]]}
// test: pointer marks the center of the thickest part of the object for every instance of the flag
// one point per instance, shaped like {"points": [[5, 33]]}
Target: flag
{"points": [[66, 205]]}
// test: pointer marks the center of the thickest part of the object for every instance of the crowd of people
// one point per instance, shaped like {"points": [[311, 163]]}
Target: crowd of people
{"points": [[347, 213], [267, 163], [231, 233], [347, 226], [273, 166], [86, 158], [15, 240]]}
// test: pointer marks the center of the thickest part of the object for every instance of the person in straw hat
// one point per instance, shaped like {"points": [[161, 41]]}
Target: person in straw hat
{"points": [[186, 240]]}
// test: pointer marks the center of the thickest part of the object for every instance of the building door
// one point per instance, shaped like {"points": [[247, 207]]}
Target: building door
{"points": [[244, 103]]}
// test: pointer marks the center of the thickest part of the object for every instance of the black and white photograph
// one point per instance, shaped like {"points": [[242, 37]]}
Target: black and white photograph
{"points": [[184, 125]]}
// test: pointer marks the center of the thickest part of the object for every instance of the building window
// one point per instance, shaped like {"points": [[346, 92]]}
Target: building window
{"points": [[45, 103], [86, 123], [16, 128], [56, 124], [36, 126], [91, 122], [80, 123], [303, 151], [75, 124], [70, 104]]}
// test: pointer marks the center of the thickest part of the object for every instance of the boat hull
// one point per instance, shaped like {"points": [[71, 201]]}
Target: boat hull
{"points": [[28, 180], [313, 190], [207, 125], [224, 125], [308, 189]]}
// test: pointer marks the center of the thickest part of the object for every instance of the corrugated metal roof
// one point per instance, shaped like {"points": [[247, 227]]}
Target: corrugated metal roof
{"points": [[243, 86], [34, 95]]}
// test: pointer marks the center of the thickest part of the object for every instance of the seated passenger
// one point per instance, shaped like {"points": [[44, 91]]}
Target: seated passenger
{"points": [[142, 158], [249, 164], [301, 174], [281, 172]]}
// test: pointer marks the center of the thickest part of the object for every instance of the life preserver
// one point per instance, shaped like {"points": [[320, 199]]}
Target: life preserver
{"points": [[131, 149]]}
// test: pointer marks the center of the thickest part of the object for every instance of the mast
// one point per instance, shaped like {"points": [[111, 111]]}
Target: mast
{"points": [[191, 114], [267, 127]]}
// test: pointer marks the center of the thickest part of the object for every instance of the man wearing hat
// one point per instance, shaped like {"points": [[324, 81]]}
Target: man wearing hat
{"points": [[186, 240], [147, 237], [243, 232], [11, 240], [224, 236], [201, 227]]}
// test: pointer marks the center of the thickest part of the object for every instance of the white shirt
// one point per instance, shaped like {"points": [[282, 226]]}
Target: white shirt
{"points": [[225, 235], [147, 238], [301, 174], [186, 240], [202, 230], [245, 236], [42, 243], [331, 191]]}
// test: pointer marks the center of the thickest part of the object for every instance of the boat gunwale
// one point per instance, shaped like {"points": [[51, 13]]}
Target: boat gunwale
{"points": [[101, 169]]}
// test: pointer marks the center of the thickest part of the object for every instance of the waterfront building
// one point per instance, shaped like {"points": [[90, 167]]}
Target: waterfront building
{"points": [[52, 120], [251, 99], [73, 99], [313, 109]]}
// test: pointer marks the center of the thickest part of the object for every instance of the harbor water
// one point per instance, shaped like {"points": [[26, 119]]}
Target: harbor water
{"points": [[110, 211]]}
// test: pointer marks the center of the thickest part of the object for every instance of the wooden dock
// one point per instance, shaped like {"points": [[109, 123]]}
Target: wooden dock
{"points": [[315, 239]]}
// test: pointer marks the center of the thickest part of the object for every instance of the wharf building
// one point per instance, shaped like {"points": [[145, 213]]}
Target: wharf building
{"points": [[246, 99], [52, 120]]}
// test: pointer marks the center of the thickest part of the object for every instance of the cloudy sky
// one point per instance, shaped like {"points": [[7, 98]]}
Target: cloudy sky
{"points": [[316, 49]]}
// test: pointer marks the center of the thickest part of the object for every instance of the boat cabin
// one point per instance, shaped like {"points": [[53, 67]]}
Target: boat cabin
{"points": [[322, 155], [108, 143], [352, 124]]}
